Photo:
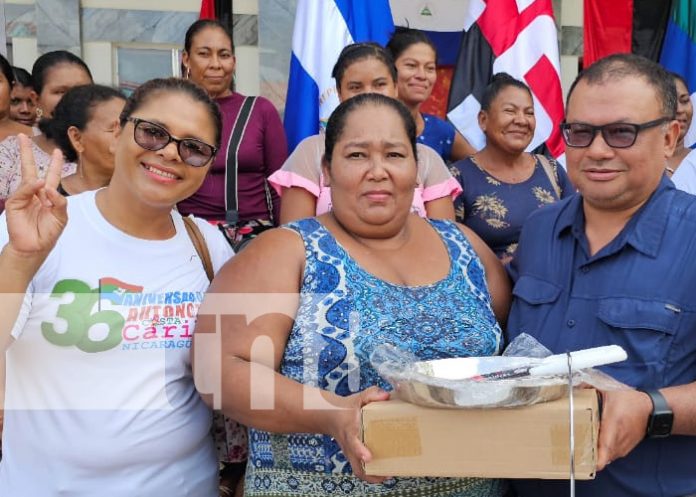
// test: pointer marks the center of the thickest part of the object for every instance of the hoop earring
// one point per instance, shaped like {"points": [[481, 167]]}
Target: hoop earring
{"points": [[188, 73], [39, 113], [80, 168]]}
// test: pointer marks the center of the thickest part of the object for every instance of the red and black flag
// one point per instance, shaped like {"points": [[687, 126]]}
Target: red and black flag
{"points": [[519, 38], [626, 26]]}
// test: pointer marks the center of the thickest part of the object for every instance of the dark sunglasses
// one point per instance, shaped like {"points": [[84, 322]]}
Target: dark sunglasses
{"points": [[616, 135], [154, 137]]}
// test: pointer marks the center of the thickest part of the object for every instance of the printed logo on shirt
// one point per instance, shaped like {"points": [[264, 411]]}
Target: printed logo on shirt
{"points": [[113, 288], [117, 313]]}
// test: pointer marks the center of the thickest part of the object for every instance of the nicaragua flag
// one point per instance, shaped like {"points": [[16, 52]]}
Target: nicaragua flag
{"points": [[517, 37], [440, 20], [679, 50], [322, 29]]}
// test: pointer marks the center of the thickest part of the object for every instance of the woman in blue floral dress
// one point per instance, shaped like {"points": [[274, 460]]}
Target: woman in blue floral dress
{"points": [[502, 183], [296, 369]]}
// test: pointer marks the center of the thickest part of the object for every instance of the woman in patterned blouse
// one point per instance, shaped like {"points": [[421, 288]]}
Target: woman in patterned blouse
{"points": [[296, 369], [502, 183]]}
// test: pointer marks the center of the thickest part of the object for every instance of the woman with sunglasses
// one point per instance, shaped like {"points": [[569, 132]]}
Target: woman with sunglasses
{"points": [[100, 397], [503, 184], [360, 68]]}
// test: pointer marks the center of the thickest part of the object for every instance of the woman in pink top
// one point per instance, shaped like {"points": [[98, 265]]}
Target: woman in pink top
{"points": [[361, 68]]}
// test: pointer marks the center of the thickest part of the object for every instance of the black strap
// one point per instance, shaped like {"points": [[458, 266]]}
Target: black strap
{"points": [[240, 124], [662, 418]]}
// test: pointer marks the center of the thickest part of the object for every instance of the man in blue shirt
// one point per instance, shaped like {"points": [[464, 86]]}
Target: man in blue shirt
{"points": [[616, 264]]}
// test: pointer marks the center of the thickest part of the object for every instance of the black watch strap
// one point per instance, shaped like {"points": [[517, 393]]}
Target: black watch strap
{"points": [[662, 417]]}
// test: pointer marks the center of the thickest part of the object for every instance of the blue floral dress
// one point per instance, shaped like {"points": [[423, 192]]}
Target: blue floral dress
{"points": [[344, 313], [495, 210]]}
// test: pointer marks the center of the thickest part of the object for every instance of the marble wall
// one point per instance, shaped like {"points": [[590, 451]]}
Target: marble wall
{"points": [[92, 33], [19, 20], [58, 25], [276, 21], [245, 30], [144, 26], [266, 35]]}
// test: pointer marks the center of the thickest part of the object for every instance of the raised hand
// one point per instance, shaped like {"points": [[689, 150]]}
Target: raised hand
{"points": [[346, 430], [36, 212]]}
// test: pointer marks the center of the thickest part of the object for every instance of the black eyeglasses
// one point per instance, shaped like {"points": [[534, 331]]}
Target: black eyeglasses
{"points": [[154, 137], [616, 135]]}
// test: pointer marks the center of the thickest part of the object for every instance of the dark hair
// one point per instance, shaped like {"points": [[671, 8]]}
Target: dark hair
{"points": [[402, 38], [676, 75], [199, 26], [360, 51], [498, 83], [338, 118], [6, 69], [22, 77], [76, 108], [148, 90], [48, 61], [619, 66]]}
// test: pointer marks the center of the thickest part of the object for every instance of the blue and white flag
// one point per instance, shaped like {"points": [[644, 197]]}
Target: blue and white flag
{"points": [[322, 29]]}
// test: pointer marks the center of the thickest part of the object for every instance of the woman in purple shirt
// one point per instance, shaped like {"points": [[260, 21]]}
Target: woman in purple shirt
{"points": [[209, 61]]}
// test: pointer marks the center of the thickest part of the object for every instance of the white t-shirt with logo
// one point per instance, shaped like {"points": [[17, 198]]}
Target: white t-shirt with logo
{"points": [[100, 397]]}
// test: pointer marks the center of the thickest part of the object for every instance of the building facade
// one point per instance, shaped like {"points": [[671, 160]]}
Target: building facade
{"points": [[126, 42]]}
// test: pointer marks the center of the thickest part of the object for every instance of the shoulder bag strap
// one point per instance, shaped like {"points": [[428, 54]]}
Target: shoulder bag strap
{"points": [[551, 173], [240, 124], [199, 244]]}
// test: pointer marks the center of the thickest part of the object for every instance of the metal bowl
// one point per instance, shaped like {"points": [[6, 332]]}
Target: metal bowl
{"points": [[447, 383]]}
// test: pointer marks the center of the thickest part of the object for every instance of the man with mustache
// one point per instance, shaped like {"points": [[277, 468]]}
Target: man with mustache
{"points": [[613, 264]]}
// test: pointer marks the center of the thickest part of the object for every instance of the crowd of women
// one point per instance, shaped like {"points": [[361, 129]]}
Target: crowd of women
{"points": [[395, 230]]}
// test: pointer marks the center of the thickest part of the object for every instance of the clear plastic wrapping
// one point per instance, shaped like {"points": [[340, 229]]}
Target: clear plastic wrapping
{"points": [[482, 382]]}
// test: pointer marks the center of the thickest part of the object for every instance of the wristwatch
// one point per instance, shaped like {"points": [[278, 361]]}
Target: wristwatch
{"points": [[661, 418]]}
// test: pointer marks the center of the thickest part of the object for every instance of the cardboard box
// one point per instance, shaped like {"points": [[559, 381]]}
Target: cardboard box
{"points": [[526, 442]]}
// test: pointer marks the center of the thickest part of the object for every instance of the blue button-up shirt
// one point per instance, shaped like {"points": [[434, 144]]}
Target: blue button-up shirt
{"points": [[638, 292]]}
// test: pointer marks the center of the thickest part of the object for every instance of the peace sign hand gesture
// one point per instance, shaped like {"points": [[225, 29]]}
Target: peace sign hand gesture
{"points": [[36, 212]]}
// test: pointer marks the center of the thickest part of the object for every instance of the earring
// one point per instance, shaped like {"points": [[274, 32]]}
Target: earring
{"points": [[39, 113], [79, 165], [188, 73]]}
